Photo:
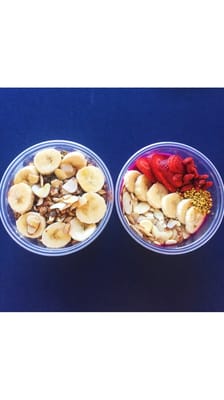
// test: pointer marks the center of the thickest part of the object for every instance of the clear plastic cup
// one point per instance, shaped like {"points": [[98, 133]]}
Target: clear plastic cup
{"points": [[213, 220], [22, 160]]}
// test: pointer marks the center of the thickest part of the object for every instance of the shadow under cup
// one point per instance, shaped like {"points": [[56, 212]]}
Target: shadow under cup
{"points": [[204, 166], [22, 160]]}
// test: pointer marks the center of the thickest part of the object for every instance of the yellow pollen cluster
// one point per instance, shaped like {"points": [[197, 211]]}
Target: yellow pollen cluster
{"points": [[201, 199]]}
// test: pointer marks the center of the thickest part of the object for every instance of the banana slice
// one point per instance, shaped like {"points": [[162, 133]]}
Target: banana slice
{"points": [[56, 235], [93, 208], [47, 160], [182, 208], [90, 178], [162, 236], [76, 159], [130, 179], [27, 175], [169, 204], [193, 219], [41, 191], [155, 194], [31, 224], [80, 231], [141, 187], [20, 197]]}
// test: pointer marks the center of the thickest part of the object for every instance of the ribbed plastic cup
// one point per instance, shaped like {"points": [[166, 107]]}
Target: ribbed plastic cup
{"points": [[22, 160], [213, 220]]}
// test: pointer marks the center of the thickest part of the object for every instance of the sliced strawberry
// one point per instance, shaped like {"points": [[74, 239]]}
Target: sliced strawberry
{"points": [[143, 166], [160, 170], [175, 164], [188, 178], [188, 160], [177, 180], [191, 169]]}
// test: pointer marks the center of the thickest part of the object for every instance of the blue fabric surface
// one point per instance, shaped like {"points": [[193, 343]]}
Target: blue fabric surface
{"points": [[114, 273]]}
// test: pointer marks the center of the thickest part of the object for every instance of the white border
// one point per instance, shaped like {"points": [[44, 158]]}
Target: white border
{"points": [[127, 356]]}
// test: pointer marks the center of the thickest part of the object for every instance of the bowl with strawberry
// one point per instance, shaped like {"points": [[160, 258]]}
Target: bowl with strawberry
{"points": [[170, 198]]}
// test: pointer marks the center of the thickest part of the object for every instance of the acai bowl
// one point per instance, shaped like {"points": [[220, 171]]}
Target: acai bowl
{"points": [[170, 198]]}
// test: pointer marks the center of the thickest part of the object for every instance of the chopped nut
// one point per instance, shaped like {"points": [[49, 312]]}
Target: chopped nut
{"points": [[43, 210], [56, 183], [53, 191]]}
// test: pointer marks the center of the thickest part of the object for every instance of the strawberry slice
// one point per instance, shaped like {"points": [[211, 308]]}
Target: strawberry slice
{"points": [[188, 160], [161, 171], [175, 164], [143, 166], [177, 180]]}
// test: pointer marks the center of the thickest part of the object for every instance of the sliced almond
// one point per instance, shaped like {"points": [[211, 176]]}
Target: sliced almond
{"points": [[171, 241], [172, 223], [40, 201], [71, 185], [69, 199], [127, 203], [163, 236], [60, 205], [147, 225], [41, 191], [159, 215], [141, 208]]}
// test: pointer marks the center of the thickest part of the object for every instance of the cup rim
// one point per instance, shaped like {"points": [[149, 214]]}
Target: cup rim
{"points": [[169, 250], [7, 176]]}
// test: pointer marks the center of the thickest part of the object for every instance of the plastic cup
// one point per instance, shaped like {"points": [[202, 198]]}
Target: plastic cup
{"points": [[213, 220], [7, 215]]}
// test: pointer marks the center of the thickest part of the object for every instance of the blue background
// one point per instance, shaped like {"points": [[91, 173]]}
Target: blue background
{"points": [[114, 273]]}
